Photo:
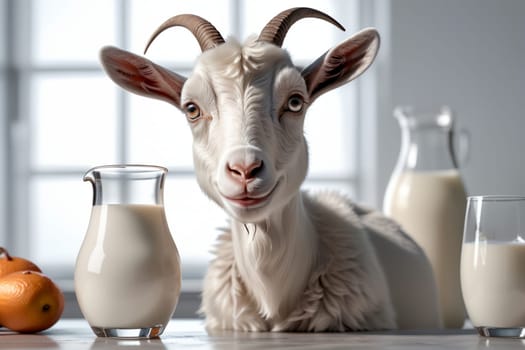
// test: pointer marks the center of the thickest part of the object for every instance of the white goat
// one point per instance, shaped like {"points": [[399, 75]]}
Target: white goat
{"points": [[291, 260]]}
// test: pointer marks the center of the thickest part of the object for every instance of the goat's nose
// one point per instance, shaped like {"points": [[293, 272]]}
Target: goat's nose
{"points": [[245, 172]]}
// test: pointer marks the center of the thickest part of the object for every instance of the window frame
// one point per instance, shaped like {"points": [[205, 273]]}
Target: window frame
{"points": [[16, 155]]}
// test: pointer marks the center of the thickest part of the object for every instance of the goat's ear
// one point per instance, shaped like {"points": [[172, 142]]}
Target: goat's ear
{"points": [[141, 76], [341, 64]]}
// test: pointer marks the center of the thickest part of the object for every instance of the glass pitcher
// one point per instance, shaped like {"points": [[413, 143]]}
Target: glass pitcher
{"points": [[127, 273], [427, 197]]}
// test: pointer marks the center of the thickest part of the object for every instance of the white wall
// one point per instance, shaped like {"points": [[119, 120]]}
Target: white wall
{"points": [[467, 54]]}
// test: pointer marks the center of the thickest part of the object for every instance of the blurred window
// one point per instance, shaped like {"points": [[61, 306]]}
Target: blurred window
{"points": [[66, 116]]}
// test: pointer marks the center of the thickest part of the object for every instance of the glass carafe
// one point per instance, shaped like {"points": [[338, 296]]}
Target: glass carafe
{"points": [[127, 274], [427, 197]]}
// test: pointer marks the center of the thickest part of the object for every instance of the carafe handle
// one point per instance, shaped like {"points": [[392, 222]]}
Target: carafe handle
{"points": [[463, 140]]}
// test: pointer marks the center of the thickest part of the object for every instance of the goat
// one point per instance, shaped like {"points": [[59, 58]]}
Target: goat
{"points": [[291, 260]]}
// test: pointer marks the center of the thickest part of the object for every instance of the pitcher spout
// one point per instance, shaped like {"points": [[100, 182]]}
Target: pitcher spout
{"points": [[127, 184]]}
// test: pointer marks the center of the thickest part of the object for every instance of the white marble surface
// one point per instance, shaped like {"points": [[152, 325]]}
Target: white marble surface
{"points": [[76, 334]]}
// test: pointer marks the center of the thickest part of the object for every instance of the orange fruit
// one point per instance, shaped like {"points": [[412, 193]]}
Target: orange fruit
{"points": [[29, 302], [9, 264]]}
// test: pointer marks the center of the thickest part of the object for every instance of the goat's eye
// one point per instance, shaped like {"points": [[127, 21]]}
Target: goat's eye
{"points": [[295, 103], [193, 112]]}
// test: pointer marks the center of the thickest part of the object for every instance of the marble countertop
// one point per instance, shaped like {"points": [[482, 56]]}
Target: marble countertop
{"points": [[76, 334]]}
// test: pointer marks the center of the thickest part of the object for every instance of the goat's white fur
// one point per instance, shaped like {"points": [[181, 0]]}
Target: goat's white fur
{"points": [[291, 260], [310, 267], [303, 262]]}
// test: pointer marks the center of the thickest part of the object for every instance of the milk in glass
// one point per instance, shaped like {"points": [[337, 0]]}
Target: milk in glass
{"points": [[493, 281]]}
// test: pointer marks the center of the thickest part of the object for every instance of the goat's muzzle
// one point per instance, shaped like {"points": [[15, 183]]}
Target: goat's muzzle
{"points": [[246, 179]]}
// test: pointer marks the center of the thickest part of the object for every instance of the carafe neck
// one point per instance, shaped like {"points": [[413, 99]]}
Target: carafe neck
{"points": [[426, 141]]}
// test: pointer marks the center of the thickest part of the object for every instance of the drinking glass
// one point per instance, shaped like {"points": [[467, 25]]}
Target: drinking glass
{"points": [[493, 265]]}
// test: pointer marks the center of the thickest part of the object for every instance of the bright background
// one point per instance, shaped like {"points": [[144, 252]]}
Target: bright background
{"points": [[66, 116], [60, 115]]}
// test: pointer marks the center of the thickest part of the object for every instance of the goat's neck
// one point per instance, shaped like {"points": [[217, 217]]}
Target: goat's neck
{"points": [[275, 257]]}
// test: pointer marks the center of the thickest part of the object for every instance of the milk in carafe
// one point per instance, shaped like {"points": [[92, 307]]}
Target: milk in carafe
{"points": [[426, 196]]}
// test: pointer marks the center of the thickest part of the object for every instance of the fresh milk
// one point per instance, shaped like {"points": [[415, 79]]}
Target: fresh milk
{"points": [[430, 206], [128, 271], [493, 282]]}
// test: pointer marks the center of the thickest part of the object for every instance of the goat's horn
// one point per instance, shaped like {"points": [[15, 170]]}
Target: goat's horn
{"points": [[275, 31], [205, 33]]}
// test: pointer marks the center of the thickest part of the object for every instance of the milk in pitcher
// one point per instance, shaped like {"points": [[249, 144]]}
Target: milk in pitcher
{"points": [[125, 276]]}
